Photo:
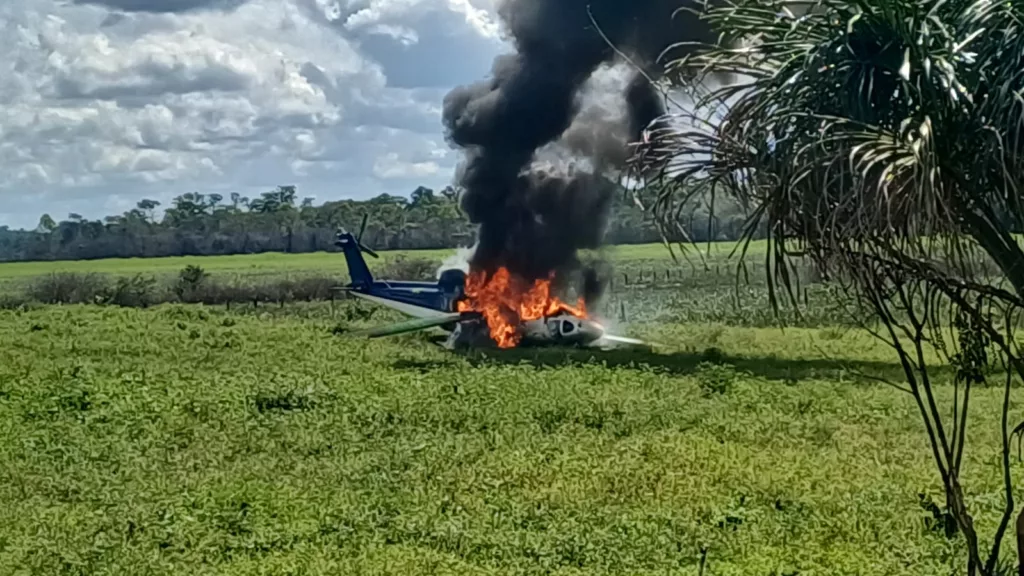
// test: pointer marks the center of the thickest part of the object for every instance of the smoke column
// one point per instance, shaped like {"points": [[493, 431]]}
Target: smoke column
{"points": [[534, 220]]}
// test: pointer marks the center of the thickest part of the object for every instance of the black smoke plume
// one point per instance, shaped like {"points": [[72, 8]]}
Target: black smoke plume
{"points": [[533, 220]]}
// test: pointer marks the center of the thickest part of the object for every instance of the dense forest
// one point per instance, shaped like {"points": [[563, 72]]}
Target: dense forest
{"points": [[277, 221]]}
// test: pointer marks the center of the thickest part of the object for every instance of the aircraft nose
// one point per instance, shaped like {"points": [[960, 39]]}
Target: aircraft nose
{"points": [[590, 330]]}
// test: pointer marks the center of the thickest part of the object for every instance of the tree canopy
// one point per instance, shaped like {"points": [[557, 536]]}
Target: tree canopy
{"points": [[279, 221]]}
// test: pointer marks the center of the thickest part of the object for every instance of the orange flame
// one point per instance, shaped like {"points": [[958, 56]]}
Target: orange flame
{"points": [[505, 300]]}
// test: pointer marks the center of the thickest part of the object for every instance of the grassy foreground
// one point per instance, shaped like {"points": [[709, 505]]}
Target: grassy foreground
{"points": [[184, 440]]}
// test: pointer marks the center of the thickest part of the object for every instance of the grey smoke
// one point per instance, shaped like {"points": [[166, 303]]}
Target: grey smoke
{"points": [[545, 102], [603, 123]]}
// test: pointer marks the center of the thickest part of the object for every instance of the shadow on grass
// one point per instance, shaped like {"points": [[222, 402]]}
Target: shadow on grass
{"points": [[684, 363]]}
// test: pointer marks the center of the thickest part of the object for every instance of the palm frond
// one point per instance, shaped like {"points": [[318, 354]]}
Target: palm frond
{"points": [[855, 123]]}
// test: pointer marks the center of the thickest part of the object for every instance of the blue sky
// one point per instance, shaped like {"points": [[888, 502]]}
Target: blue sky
{"points": [[108, 102]]}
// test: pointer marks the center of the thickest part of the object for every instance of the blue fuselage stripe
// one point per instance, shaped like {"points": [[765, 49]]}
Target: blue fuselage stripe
{"points": [[423, 294]]}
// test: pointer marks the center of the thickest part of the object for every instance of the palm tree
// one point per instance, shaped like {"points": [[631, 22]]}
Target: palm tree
{"points": [[884, 140], [892, 122]]}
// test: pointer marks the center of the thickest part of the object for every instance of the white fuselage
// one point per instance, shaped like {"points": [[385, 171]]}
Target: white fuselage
{"points": [[562, 328], [553, 330]]}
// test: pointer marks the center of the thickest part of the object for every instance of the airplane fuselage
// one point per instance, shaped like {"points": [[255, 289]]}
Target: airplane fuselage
{"points": [[560, 329], [417, 299]]}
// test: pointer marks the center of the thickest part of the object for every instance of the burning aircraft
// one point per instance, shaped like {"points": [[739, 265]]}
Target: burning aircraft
{"points": [[478, 309], [543, 139]]}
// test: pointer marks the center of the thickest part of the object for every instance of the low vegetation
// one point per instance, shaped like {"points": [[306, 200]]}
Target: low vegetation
{"points": [[194, 439], [643, 283], [193, 285], [183, 440]]}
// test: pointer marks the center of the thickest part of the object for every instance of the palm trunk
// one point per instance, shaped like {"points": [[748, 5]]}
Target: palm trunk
{"points": [[999, 245], [1020, 543]]}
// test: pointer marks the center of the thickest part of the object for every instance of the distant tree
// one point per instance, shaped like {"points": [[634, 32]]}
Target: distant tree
{"points": [[287, 195], [187, 210], [148, 209], [46, 224], [282, 198], [239, 202], [197, 223], [421, 197]]}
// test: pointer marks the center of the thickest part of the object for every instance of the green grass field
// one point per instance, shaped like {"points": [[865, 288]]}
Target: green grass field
{"points": [[274, 264], [199, 440]]}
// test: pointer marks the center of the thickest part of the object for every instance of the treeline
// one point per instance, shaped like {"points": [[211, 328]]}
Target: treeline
{"points": [[197, 224]]}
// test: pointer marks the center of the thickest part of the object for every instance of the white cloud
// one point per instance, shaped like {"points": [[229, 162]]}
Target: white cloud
{"points": [[107, 102], [479, 19], [377, 11], [407, 36], [390, 167], [383, 12]]}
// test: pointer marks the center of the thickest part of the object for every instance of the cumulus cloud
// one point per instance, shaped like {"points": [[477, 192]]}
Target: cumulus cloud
{"points": [[164, 5], [111, 101], [390, 166], [406, 36], [369, 13]]}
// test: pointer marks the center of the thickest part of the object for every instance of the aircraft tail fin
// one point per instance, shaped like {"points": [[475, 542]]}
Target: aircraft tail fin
{"points": [[358, 271]]}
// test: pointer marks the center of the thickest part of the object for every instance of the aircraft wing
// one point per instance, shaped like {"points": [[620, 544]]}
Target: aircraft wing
{"points": [[621, 339], [612, 341], [411, 325]]}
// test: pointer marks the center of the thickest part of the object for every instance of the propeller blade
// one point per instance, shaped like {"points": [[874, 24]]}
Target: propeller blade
{"points": [[362, 228], [414, 325], [367, 250]]}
